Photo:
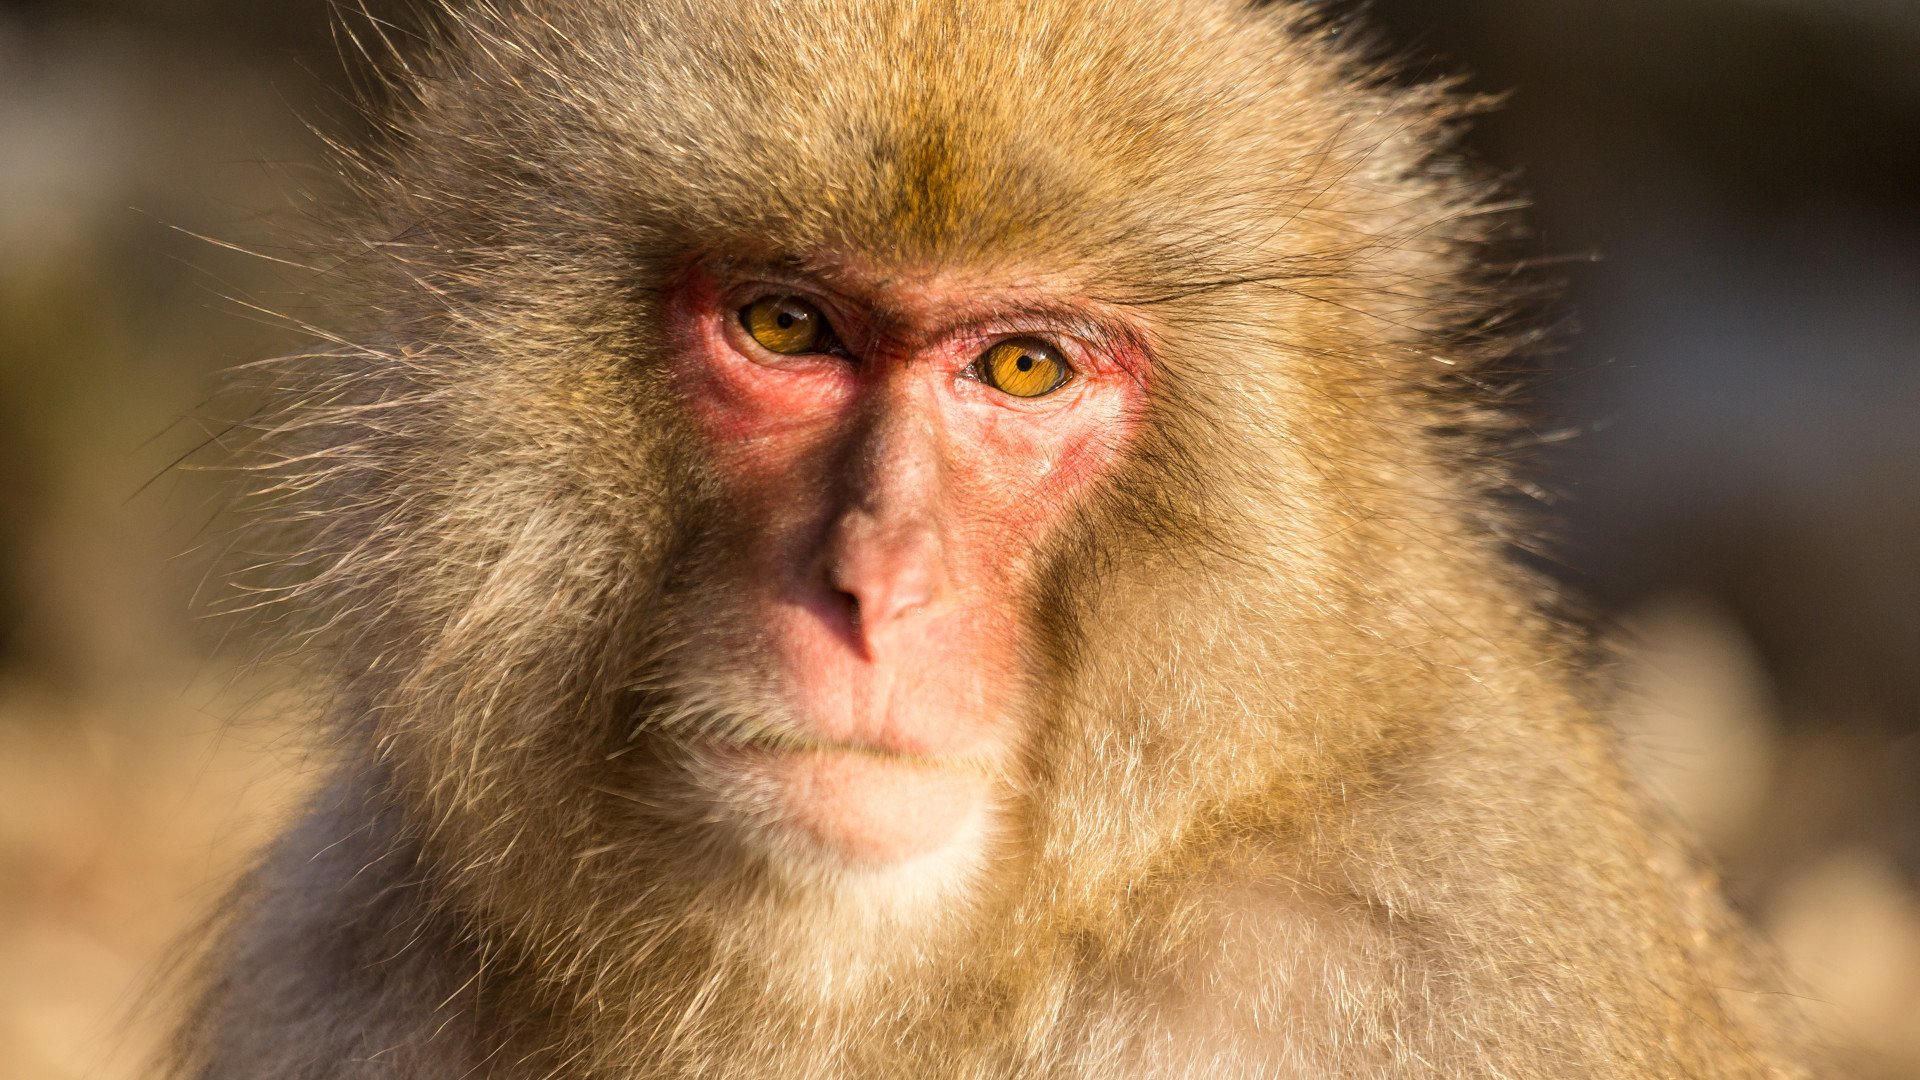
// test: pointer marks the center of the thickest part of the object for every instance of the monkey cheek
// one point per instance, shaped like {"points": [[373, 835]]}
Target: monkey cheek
{"points": [[877, 810]]}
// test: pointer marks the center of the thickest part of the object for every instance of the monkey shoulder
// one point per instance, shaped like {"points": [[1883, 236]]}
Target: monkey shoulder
{"points": [[330, 966]]}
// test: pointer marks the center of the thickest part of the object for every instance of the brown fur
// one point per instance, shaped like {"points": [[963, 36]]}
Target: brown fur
{"points": [[1309, 789]]}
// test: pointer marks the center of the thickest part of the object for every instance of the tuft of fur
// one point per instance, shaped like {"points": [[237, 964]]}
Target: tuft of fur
{"points": [[1311, 789]]}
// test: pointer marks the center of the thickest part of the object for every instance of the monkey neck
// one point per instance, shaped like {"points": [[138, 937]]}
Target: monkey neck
{"points": [[755, 984], [722, 980]]}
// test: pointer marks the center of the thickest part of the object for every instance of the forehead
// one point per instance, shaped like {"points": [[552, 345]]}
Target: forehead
{"points": [[977, 132]]}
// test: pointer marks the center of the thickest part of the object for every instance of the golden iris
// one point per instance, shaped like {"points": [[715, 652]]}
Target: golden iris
{"points": [[786, 325], [1024, 368]]}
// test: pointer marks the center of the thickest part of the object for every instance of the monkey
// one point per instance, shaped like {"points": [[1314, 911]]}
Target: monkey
{"points": [[892, 538]]}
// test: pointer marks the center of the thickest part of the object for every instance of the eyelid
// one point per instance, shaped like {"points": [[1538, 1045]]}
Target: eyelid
{"points": [[746, 292]]}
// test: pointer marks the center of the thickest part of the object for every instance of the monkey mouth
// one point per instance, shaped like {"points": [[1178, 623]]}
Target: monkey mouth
{"points": [[783, 743]]}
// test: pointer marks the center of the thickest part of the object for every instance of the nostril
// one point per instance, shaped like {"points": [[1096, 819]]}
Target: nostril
{"points": [[852, 604], [846, 594]]}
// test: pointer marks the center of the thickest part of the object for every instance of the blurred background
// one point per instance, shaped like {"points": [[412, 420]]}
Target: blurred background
{"points": [[1733, 184]]}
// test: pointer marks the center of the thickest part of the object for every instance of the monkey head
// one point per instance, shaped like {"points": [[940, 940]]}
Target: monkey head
{"points": [[868, 442]]}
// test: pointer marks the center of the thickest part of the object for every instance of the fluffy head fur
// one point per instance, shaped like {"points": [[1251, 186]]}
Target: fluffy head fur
{"points": [[1306, 787]]}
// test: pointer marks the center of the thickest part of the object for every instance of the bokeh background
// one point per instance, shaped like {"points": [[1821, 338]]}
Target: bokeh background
{"points": [[1729, 448]]}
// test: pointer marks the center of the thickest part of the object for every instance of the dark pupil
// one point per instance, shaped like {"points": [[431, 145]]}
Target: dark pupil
{"points": [[785, 319], [1025, 363]]}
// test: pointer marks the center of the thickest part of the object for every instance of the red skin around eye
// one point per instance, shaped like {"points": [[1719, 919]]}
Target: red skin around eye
{"points": [[891, 505]]}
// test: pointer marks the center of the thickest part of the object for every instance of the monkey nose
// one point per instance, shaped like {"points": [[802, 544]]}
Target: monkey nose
{"points": [[887, 570]]}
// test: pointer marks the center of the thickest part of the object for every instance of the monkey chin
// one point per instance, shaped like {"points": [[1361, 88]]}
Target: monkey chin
{"points": [[900, 830]]}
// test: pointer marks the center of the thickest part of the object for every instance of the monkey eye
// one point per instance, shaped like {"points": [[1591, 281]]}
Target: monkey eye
{"points": [[1023, 367], [786, 325]]}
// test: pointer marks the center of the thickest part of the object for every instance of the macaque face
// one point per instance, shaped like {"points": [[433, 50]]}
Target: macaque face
{"points": [[895, 452]]}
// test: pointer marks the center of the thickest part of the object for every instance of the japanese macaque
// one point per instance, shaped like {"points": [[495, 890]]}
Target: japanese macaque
{"points": [[895, 538]]}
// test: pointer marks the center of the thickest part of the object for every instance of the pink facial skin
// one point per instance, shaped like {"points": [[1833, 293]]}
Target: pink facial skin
{"points": [[893, 504]]}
